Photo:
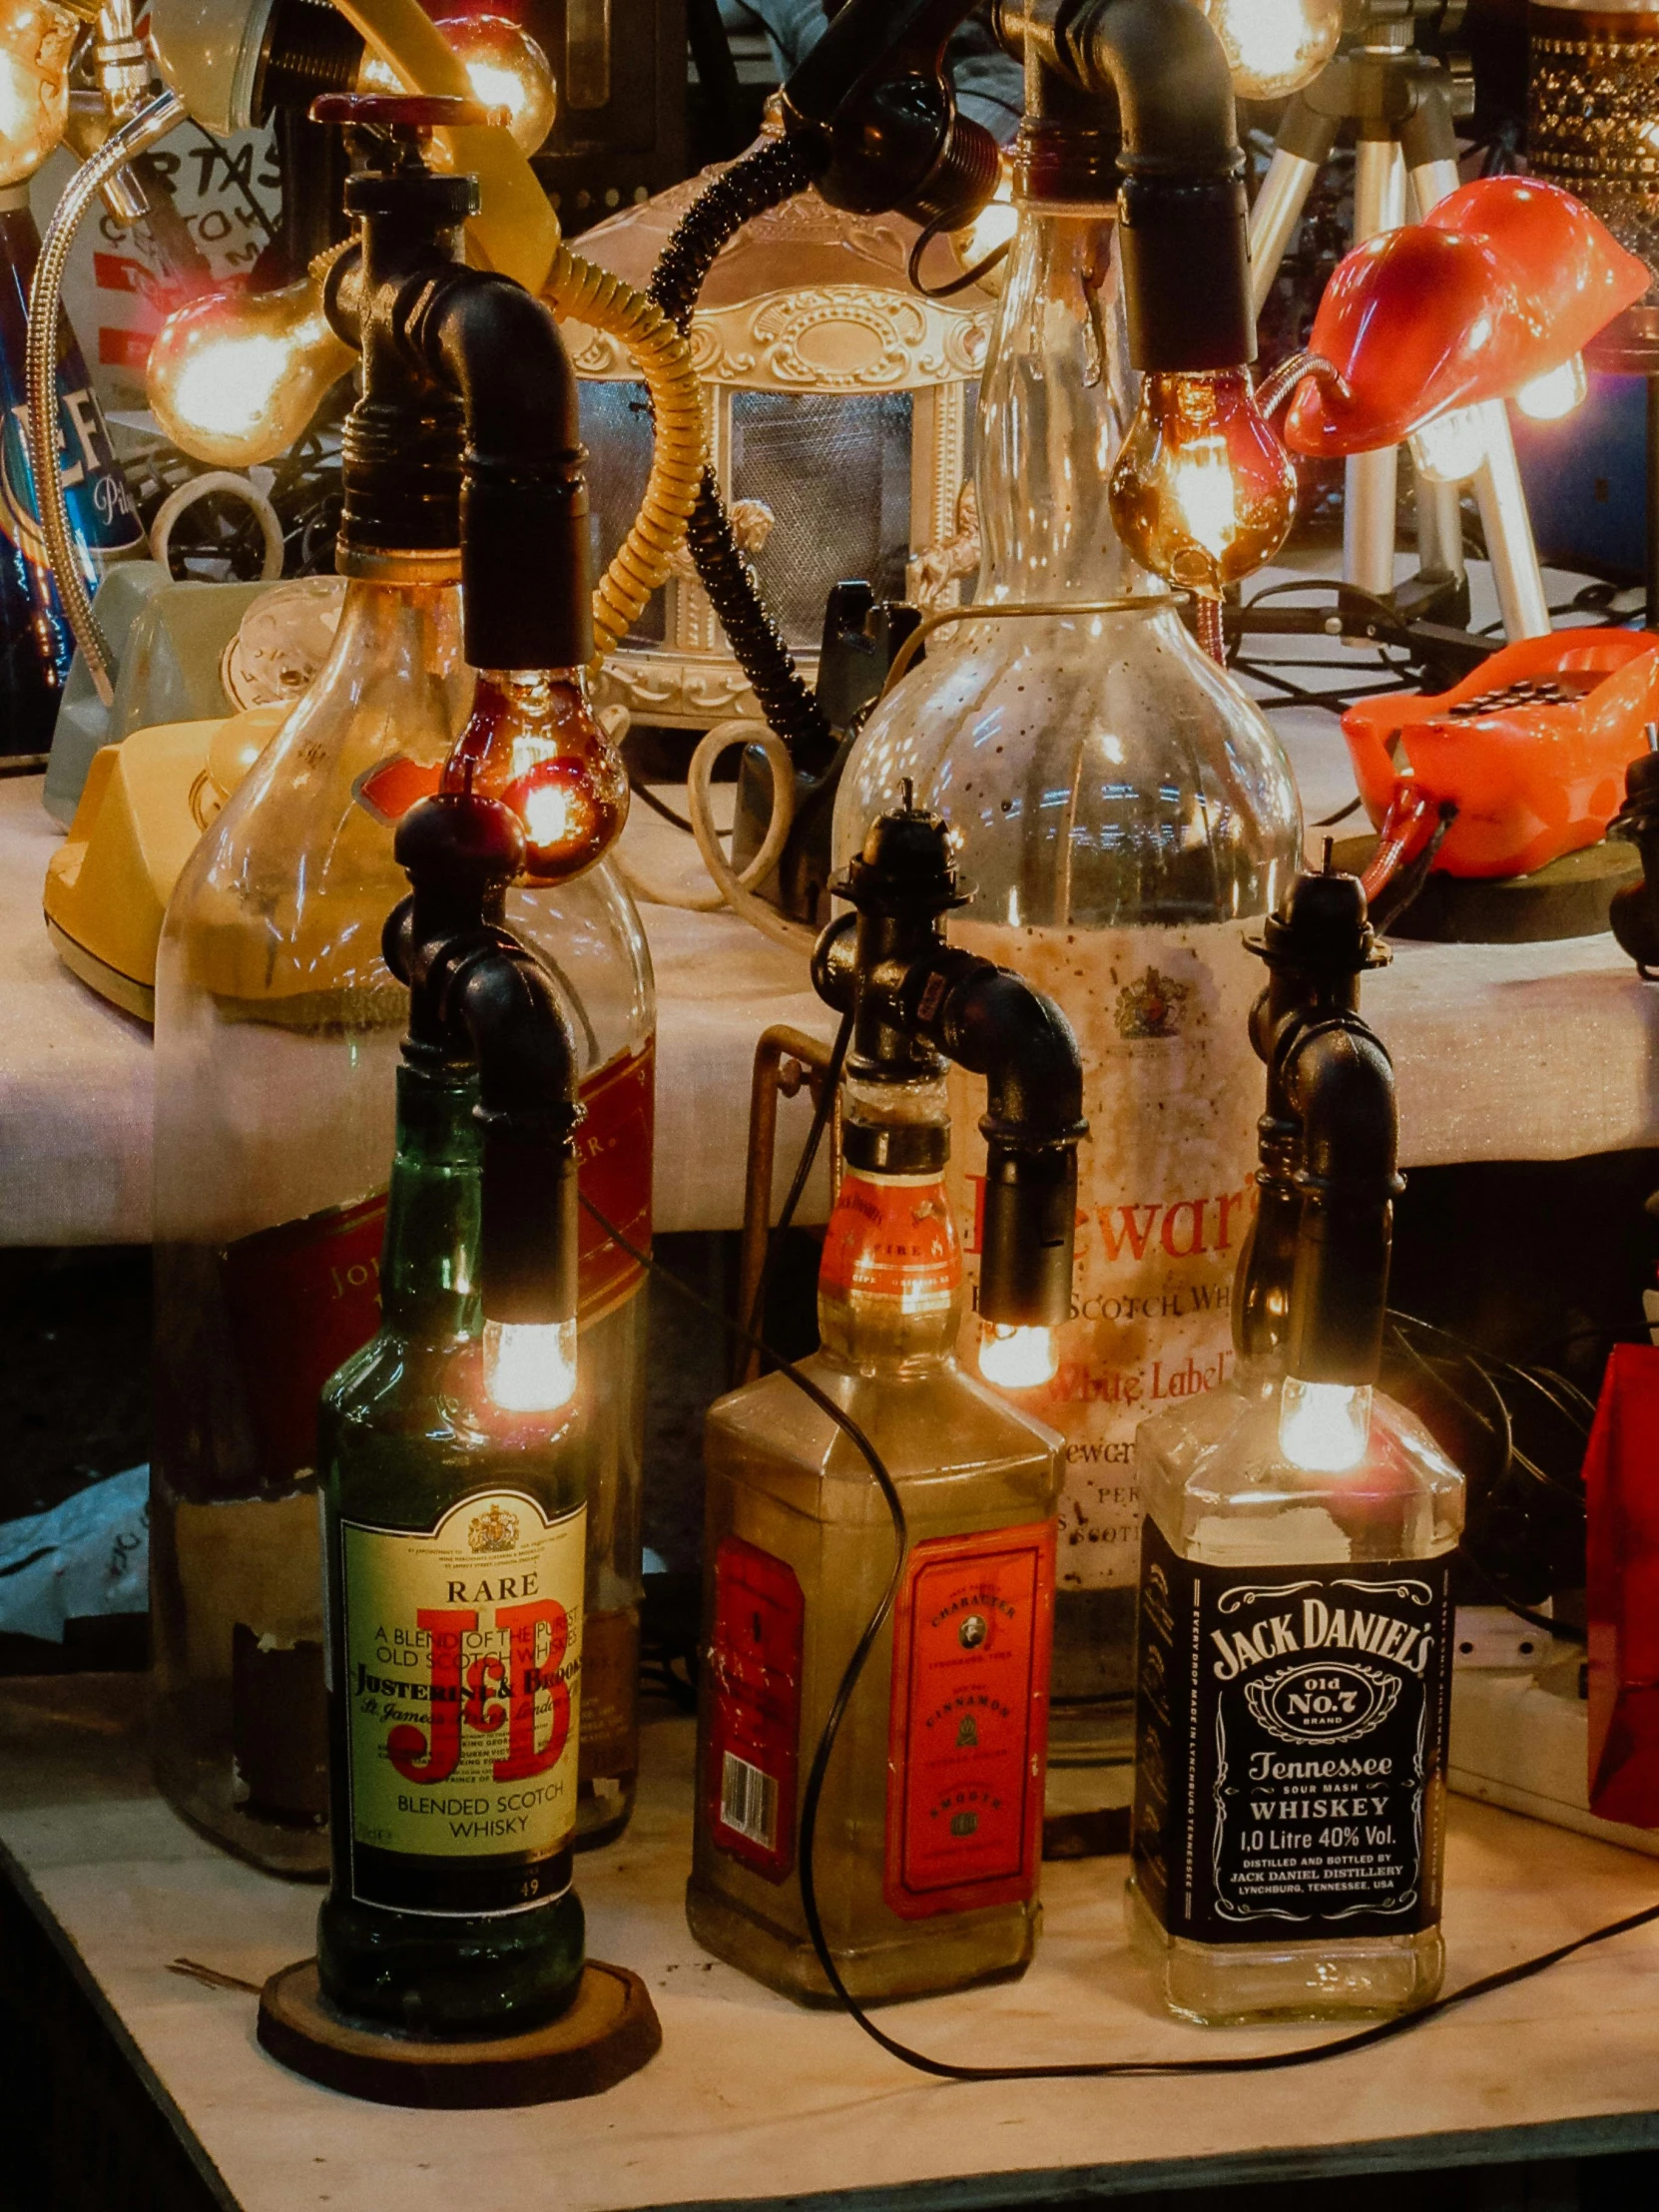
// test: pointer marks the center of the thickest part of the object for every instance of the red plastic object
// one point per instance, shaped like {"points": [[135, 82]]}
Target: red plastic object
{"points": [[1532, 749], [1507, 278], [1621, 1499]]}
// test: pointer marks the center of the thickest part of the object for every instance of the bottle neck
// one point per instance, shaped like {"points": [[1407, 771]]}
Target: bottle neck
{"points": [[1056, 398], [395, 681], [889, 1290], [427, 1269]]}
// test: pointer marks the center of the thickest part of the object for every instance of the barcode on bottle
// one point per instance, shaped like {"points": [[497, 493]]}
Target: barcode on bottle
{"points": [[749, 1801]]}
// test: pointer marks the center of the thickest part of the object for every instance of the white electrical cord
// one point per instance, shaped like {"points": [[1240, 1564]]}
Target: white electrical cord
{"points": [[733, 887], [45, 301], [201, 487]]}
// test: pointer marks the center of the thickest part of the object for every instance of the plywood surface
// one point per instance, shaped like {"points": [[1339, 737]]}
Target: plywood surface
{"points": [[754, 2099]]}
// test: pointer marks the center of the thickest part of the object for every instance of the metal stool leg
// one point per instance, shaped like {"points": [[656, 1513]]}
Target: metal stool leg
{"points": [[1371, 478]]}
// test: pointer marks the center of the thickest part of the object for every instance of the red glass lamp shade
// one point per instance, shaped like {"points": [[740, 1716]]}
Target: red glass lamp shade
{"points": [[1508, 279], [1531, 750]]}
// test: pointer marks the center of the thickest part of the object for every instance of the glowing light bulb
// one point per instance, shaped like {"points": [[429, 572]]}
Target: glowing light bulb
{"points": [[35, 43], [235, 376], [993, 226], [1016, 1359], [1323, 1427], [1274, 47], [530, 1367], [533, 742], [1202, 491], [1556, 392], [506, 67], [1449, 450]]}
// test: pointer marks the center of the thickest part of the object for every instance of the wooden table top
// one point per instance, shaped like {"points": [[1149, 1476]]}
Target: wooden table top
{"points": [[756, 2101]]}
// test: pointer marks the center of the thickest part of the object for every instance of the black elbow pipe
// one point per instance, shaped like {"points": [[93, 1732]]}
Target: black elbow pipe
{"points": [[526, 601], [452, 352], [478, 997], [1342, 1089], [1183, 229], [916, 1002]]}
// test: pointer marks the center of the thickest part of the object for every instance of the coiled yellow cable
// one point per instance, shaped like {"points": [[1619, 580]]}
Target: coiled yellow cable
{"points": [[517, 232]]}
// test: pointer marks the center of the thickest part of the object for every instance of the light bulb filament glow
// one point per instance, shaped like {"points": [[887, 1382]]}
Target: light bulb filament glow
{"points": [[1201, 482], [1016, 1359], [1556, 392], [1323, 1427], [530, 1367]]}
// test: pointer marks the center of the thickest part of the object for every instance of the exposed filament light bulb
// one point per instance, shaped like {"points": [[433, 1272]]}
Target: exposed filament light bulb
{"points": [[1450, 448], [1274, 47], [505, 66], [530, 1367], [1323, 1427], [1016, 1359], [1556, 392], [235, 376], [35, 43], [533, 742], [1202, 491]]}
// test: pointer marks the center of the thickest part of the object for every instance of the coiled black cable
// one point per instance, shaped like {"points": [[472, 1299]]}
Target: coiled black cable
{"points": [[770, 173]]}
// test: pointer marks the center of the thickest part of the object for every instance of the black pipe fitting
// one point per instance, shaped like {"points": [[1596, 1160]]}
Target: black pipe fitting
{"points": [[916, 1002], [1316, 948], [1340, 1083], [478, 998], [466, 437], [874, 106], [1182, 214]]}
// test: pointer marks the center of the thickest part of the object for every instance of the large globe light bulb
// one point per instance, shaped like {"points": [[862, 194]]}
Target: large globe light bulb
{"points": [[506, 67], [236, 375], [1274, 47], [35, 43]]}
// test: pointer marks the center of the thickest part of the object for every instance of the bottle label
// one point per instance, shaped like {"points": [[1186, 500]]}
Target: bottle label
{"points": [[462, 1653], [890, 1237], [1166, 1192], [302, 1298], [1289, 1757], [754, 1664], [968, 1730]]}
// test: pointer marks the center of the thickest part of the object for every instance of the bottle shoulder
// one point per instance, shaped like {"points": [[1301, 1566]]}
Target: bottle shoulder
{"points": [[1098, 769]]}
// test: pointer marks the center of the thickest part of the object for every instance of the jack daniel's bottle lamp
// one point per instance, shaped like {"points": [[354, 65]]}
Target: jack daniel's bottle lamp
{"points": [[35, 644], [455, 1473], [1295, 1610]]}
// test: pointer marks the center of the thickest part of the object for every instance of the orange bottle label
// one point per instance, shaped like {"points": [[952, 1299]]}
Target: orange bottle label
{"points": [[891, 1237], [968, 1733]]}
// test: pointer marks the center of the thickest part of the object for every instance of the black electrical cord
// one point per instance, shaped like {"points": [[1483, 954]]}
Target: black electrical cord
{"points": [[925, 239], [767, 176], [1081, 2069]]}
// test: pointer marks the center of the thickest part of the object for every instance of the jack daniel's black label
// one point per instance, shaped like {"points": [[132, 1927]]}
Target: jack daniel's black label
{"points": [[1291, 1727]]}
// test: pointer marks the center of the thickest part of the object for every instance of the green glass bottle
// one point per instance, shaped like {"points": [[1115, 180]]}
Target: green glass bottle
{"points": [[454, 1525]]}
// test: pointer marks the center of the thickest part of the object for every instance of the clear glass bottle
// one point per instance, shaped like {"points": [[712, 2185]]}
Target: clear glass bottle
{"points": [[1296, 1628], [930, 1829], [443, 1515], [277, 1036], [1123, 811]]}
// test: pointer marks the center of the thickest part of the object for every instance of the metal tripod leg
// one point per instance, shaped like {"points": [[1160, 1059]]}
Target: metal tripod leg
{"points": [[1371, 478], [1300, 151], [1498, 491]]}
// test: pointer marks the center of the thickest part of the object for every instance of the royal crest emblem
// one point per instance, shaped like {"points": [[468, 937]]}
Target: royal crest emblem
{"points": [[1151, 1006], [493, 1532]]}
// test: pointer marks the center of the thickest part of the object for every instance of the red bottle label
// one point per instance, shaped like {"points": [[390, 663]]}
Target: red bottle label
{"points": [[891, 1237], [304, 1296], [969, 1734], [754, 1664]]}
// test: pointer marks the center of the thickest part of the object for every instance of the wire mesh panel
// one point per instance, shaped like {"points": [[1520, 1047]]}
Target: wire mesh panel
{"points": [[616, 429], [834, 470]]}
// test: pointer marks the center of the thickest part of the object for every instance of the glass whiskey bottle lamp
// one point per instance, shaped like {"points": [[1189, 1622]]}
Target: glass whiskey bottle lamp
{"points": [[926, 1858], [1294, 1676], [453, 1474]]}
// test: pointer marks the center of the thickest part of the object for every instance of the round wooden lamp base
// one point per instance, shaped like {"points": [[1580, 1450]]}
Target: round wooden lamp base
{"points": [[609, 2032]]}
